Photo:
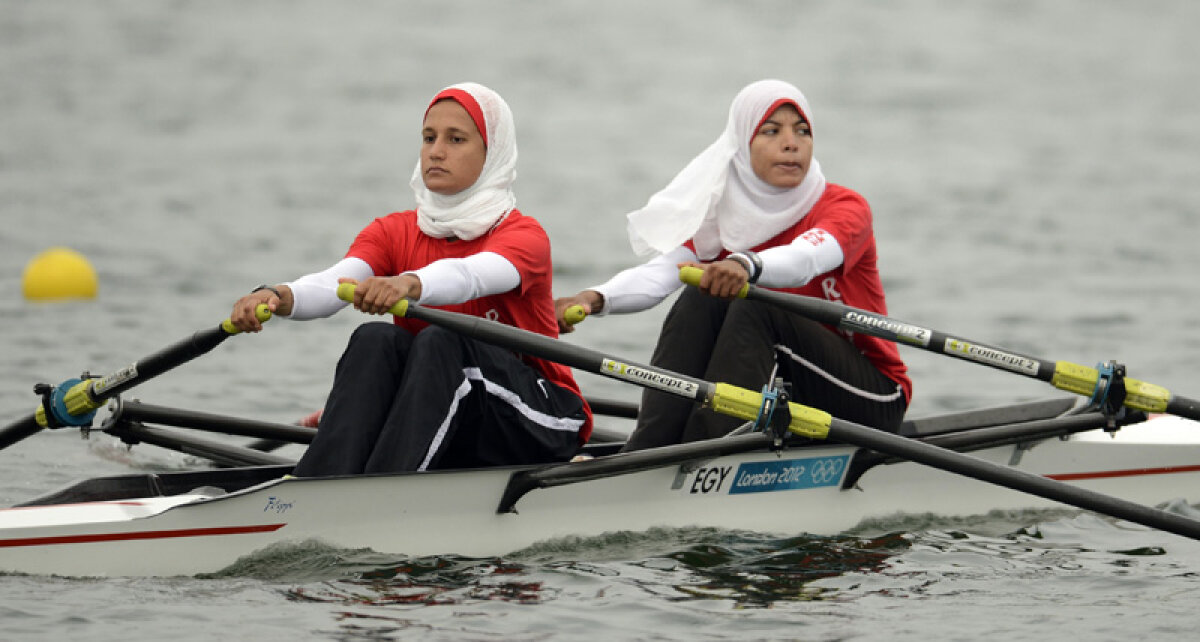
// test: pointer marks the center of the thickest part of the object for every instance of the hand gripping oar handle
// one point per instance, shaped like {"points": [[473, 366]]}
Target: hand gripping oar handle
{"points": [[74, 402], [574, 315], [809, 422], [1063, 375], [723, 398]]}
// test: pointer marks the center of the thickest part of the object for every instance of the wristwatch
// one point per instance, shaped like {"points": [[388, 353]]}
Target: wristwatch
{"points": [[268, 287], [751, 262]]}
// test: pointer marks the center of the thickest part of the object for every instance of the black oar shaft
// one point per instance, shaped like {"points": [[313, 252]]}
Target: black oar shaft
{"points": [[1183, 407], [982, 470], [1064, 375], [91, 394], [87, 396], [851, 319], [155, 364], [18, 430], [613, 407]]}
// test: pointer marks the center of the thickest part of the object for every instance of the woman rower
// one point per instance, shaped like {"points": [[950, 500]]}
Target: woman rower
{"points": [[754, 207], [407, 396]]}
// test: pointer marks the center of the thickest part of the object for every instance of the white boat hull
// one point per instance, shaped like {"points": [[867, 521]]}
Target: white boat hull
{"points": [[792, 492]]}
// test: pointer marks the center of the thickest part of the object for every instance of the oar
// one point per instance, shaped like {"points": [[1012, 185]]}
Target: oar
{"points": [[575, 315], [805, 421], [74, 401], [1017, 432], [1063, 375]]}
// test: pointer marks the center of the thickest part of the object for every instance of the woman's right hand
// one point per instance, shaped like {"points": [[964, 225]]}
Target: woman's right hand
{"points": [[244, 317], [377, 294]]}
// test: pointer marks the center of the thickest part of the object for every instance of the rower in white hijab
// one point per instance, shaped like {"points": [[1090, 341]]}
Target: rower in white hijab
{"points": [[717, 200], [472, 212], [719, 203], [465, 215], [783, 231]]}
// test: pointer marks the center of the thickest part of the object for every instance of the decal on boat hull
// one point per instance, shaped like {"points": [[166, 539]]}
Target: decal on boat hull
{"points": [[788, 474]]}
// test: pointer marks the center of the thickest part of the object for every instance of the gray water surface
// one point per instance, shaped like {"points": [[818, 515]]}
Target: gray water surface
{"points": [[1032, 167]]}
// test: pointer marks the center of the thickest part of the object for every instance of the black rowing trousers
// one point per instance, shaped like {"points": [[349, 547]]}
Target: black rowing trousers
{"points": [[403, 402], [740, 342]]}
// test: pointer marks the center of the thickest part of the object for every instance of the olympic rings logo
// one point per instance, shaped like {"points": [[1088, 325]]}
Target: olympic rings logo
{"points": [[827, 471]]}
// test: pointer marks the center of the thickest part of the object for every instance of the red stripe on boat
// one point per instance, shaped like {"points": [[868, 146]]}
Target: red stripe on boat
{"points": [[1133, 472], [116, 537]]}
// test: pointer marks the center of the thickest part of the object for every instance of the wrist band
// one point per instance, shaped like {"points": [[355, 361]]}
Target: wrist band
{"points": [[753, 264], [268, 287]]}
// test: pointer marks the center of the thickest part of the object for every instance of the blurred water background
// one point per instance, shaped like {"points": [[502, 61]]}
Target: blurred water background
{"points": [[1032, 168]]}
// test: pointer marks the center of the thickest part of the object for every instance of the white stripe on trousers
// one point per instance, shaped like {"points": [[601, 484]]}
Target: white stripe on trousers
{"points": [[504, 394]]}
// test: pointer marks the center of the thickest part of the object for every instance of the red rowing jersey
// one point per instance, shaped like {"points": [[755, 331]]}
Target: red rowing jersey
{"points": [[394, 244], [845, 214]]}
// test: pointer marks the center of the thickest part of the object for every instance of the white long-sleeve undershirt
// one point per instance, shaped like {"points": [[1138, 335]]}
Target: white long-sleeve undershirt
{"points": [[786, 266], [643, 286], [443, 282], [315, 295], [798, 262], [448, 281]]}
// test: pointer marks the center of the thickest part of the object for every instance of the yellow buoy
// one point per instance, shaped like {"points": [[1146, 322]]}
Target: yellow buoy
{"points": [[59, 273]]}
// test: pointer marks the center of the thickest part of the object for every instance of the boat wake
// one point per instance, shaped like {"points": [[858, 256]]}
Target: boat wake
{"points": [[994, 523], [740, 568], [752, 569]]}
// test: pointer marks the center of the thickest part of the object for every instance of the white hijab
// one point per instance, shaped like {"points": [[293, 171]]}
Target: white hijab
{"points": [[474, 211], [717, 200]]}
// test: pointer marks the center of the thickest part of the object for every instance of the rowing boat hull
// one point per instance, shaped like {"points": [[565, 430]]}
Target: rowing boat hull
{"points": [[455, 512]]}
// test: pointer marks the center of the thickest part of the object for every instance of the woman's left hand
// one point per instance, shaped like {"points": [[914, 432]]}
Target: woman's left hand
{"points": [[722, 279]]}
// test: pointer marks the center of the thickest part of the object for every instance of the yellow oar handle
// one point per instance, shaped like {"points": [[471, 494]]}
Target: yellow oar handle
{"points": [[262, 313], [745, 404], [574, 314], [345, 292], [691, 276], [1082, 380]]}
